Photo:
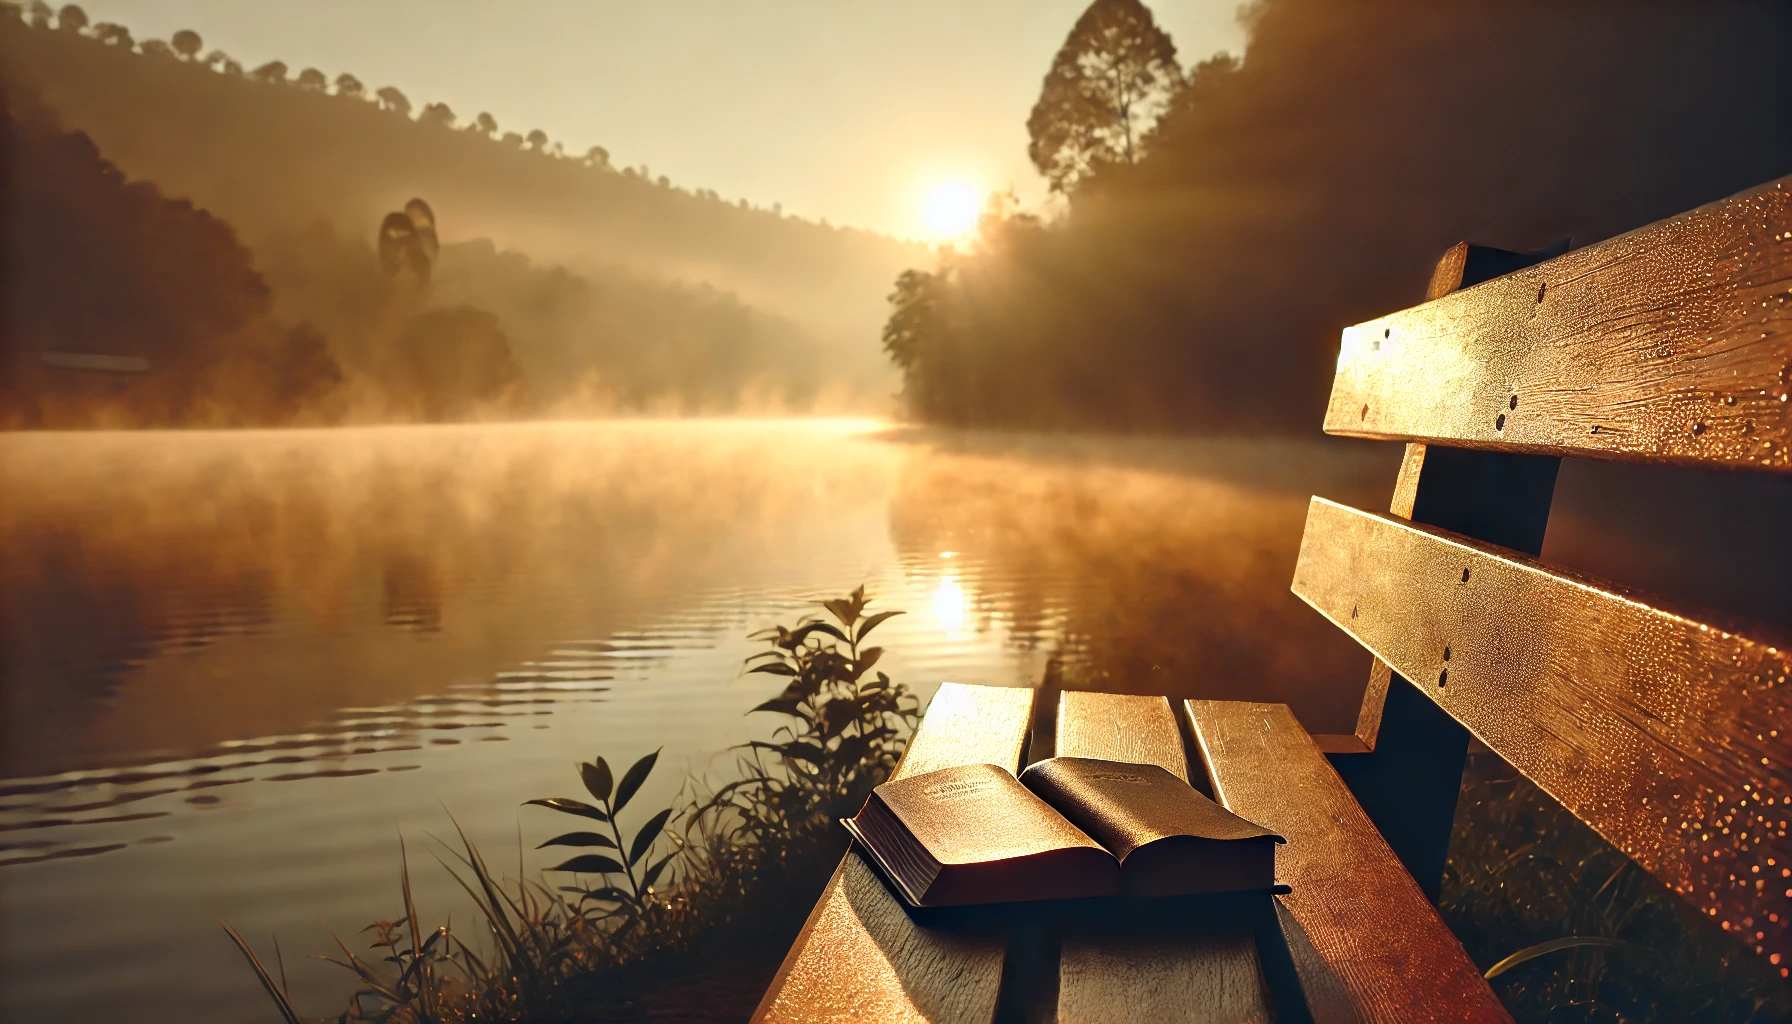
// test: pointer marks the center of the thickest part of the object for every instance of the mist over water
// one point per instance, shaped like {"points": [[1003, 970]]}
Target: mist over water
{"points": [[234, 660]]}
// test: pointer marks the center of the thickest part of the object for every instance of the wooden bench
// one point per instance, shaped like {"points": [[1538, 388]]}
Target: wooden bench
{"points": [[1663, 728]]}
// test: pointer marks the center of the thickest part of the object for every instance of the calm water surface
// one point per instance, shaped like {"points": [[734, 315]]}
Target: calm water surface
{"points": [[240, 668]]}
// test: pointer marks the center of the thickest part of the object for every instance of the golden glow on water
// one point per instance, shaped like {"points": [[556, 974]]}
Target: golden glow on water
{"points": [[949, 606], [236, 662]]}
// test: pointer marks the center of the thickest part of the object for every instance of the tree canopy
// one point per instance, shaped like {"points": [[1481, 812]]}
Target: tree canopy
{"points": [[1108, 84], [187, 43]]}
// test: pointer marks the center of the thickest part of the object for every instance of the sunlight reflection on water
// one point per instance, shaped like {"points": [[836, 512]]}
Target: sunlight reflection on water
{"points": [[240, 666]]}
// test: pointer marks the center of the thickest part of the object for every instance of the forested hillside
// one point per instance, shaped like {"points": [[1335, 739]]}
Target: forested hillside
{"points": [[615, 292]]}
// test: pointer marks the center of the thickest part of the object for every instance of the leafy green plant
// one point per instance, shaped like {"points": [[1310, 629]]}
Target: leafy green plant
{"points": [[611, 899], [745, 857], [847, 723]]}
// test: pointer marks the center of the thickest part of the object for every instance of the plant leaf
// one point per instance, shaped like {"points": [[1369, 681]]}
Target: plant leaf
{"points": [[597, 781], [802, 632], [565, 806], [590, 864], [773, 668], [632, 779], [644, 838], [803, 752], [653, 872], [783, 705], [1545, 948], [871, 623], [580, 839], [842, 609], [608, 894], [867, 658]]}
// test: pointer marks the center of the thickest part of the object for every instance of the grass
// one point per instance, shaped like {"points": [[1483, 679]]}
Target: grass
{"points": [[698, 901], [1570, 930], [675, 890]]}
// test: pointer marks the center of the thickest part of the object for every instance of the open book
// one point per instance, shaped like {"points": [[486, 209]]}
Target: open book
{"points": [[1069, 827]]}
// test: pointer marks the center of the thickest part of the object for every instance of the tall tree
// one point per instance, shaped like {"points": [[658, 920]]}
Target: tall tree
{"points": [[1110, 81], [272, 71], [597, 156], [538, 139], [71, 18], [187, 43], [350, 86], [486, 123], [437, 113], [312, 80]]}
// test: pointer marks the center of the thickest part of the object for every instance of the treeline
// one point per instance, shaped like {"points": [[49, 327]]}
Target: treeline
{"points": [[92, 264], [562, 286], [1222, 224], [268, 149], [189, 47]]}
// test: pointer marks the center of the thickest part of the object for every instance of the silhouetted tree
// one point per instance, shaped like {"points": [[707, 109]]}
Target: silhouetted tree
{"points": [[272, 71], [231, 67], [71, 18], [486, 123], [38, 14], [312, 80], [438, 114], [512, 139], [350, 86], [1107, 86], [187, 43], [597, 156], [538, 139], [401, 251], [393, 100], [913, 318], [157, 48], [423, 223], [216, 59]]}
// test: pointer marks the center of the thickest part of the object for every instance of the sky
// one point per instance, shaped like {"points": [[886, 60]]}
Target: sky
{"points": [[840, 109]]}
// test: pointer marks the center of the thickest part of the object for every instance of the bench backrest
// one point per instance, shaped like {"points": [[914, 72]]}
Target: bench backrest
{"points": [[1666, 729]]}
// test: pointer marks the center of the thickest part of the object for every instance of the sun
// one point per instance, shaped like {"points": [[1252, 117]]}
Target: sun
{"points": [[950, 211]]}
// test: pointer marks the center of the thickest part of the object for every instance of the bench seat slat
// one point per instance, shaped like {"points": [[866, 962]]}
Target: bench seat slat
{"points": [[1670, 343], [1667, 732], [1365, 941], [1190, 974], [860, 957]]}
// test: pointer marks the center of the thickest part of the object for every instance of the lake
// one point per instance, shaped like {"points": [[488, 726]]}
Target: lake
{"points": [[241, 667]]}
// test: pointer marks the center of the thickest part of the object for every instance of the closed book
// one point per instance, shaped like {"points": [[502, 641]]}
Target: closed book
{"points": [[1067, 828]]}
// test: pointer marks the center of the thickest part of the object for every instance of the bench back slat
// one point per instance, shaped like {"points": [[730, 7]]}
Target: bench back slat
{"points": [[1672, 343], [1665, 732], [1200, 972], [860, 956]]}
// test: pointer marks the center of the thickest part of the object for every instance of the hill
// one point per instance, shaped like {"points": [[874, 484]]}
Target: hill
{"points": [[272, 157]]}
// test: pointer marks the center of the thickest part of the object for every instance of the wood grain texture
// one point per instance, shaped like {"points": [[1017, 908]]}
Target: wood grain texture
{"points": [[1365, 941], [1664, 730], [1197, 972], [1409, 782], [860, 957], [1670, 343], [1118, 727]]}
